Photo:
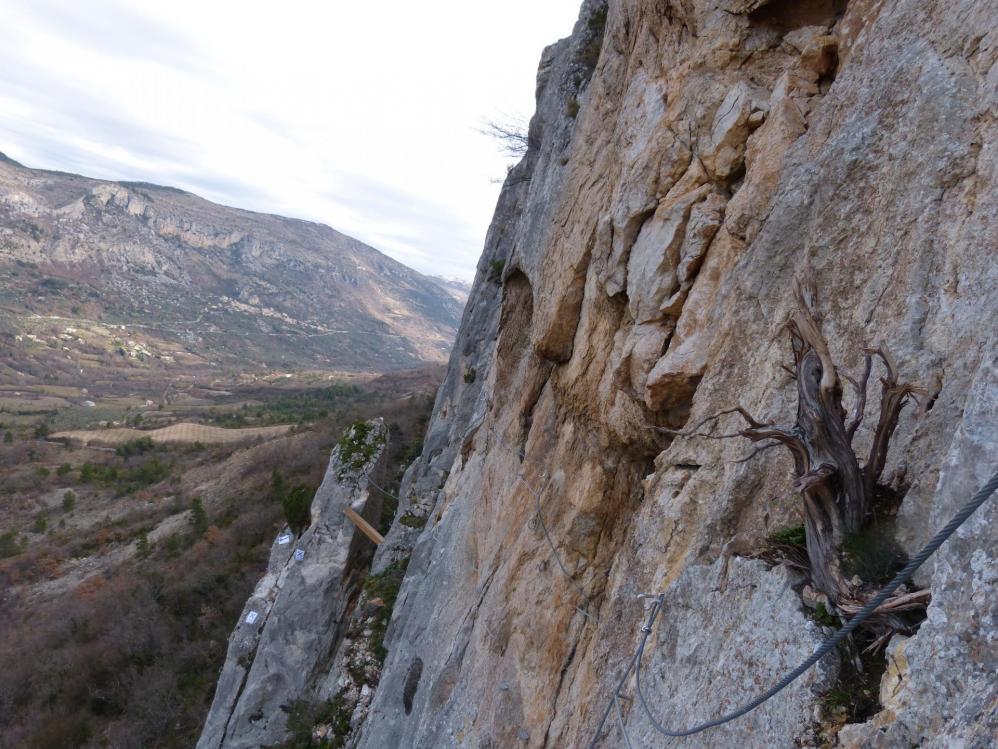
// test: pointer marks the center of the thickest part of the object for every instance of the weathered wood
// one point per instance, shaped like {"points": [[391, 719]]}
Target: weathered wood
{"points": [[838, 494], [365, 527]]}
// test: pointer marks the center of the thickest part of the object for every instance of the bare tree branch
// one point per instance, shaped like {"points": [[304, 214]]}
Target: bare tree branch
{"points": [[512, 136]]}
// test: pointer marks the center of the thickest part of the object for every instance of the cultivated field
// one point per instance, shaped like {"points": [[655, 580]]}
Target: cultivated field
{"points": [[175, 433]]}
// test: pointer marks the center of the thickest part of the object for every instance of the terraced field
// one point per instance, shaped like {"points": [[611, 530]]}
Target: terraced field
{"points": [[175, 433]]}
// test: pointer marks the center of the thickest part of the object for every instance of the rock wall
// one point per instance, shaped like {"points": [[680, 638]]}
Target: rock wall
{"points": [[282, 648], [688, 161]]}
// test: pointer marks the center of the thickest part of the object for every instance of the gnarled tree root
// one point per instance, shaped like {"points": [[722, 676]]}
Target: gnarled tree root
{"points": [[838, 493]]}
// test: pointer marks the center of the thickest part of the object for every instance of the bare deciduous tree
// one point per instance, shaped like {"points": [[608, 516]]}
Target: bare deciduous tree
{"points": [[512, 136]]}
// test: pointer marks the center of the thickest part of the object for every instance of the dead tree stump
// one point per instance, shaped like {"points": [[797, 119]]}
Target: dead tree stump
{"points": [[838, 491]]}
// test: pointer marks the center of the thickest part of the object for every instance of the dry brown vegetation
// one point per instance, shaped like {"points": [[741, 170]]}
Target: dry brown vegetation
{"points": [[118, 600], [183, 433]]}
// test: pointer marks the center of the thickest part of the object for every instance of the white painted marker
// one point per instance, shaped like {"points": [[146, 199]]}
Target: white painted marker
{"points": [[299, 555], [285, 539], [251, 617]]}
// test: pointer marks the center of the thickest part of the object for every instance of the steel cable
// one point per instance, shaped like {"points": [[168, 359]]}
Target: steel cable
{"points": [[861, 616]]}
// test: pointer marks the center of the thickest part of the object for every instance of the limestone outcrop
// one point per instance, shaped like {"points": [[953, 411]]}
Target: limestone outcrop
{"points": [[688, 162], [282, 648], [230, 284]]}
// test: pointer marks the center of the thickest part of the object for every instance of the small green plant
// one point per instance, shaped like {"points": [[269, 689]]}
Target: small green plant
{"points": [[174, 545], [412, 521], [384, 586], [64, 469], [68, 500], [873, 555], [297, 505], [356, 449], [8, 437], [142, 547], [470, 374], [588, 54], [199, 518], [135, 447], [8, 544], [495, 274], [572, 107], [42, 472], [126, 479], [42, 430], [824, 617], [792, 535], [304, 716], [41, 523]]}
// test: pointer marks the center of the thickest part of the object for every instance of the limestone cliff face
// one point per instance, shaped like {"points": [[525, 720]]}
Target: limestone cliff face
{"points": [[688, 160], [282, 649]]}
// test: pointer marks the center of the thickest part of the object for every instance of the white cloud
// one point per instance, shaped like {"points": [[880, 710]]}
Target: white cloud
{"points": [[363, 116]]}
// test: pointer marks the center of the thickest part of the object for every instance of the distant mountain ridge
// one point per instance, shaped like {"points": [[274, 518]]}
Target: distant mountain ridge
{"points": [[233, 285]]}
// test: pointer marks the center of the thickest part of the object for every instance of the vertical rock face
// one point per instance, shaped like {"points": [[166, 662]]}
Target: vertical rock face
{"points": [[688, 160], [282, 648]]}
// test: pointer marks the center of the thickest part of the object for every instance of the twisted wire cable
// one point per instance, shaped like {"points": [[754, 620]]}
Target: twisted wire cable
{"points": [[861, 616]]}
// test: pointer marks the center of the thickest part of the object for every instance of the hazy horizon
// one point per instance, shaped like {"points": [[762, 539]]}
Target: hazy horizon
{"points": [[305, 114]]}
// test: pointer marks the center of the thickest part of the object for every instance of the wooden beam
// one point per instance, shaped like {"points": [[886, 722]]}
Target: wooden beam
{"points": [[365, 527]]}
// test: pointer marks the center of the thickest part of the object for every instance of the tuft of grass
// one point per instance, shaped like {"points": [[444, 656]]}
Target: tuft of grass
{"points": [[792, 535], [572, 107], [385, 586], [823, 616], [873, 555], [496, 268], [412, 521], [135, 447], [357, 447], [589, 52], [470, 375], [304, 716], [8, 544], [855, 695]]}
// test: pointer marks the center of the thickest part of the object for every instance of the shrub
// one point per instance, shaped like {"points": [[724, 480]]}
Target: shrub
{"points": [[297, 505], [135, 447], [64, 469], [199, 518], [470, 374], [68, 500], [42, 472], [495, 274], [8, 544], [793, 535], [572, 107], [589, 52], [355, 448], [126, 480], [385, 586], [412, 521], [8, 437], [41, 523]]}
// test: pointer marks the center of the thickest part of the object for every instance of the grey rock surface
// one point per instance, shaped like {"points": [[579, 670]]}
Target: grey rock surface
{"points": [[283, 645], [687, 162], [650, 240]]}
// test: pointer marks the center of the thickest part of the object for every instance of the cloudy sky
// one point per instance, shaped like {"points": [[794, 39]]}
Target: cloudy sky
{"points": [[362, 115]]}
